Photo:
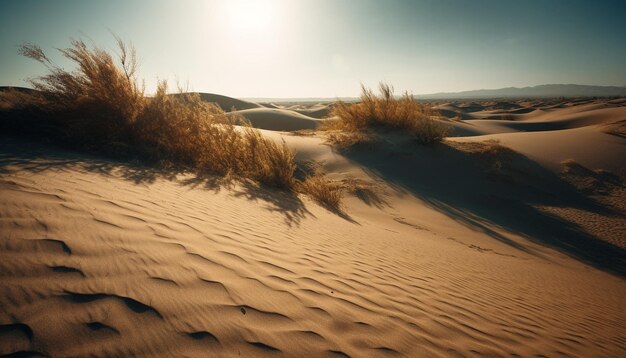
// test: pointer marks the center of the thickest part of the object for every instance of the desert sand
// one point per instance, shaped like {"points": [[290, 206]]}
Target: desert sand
{"points": [[453, 254]]}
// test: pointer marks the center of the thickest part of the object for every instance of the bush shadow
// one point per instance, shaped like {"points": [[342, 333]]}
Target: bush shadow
{"points": [[24, 155]]}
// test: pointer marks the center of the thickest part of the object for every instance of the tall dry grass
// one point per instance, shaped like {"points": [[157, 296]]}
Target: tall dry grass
{"points": [[101, 106], [184, 129], [359, 122]]}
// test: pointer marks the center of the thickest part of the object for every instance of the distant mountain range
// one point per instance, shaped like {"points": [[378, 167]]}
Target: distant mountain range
{"points": [[541, 91], [535, 91]]}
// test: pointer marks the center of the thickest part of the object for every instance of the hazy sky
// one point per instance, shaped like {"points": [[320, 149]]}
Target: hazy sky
{"points": [[326, 48]]}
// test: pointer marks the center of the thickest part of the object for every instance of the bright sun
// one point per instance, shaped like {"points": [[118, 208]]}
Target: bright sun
{"points": [[250, 16]]}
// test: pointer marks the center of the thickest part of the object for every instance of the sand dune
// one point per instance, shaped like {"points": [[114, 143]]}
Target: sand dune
{"points": [[588, 145], [228, 103], [318, 111], [575, 132], [460, 254], [534, 117], [315, 110], [278, 119], [269, 105], [452, 111]]}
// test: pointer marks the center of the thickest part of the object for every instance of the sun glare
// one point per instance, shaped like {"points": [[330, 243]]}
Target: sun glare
{"points": [[250, 16], [249, 33]]}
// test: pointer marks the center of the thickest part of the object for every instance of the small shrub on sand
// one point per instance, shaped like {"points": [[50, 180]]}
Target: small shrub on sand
{"points": [[359, 121], [348, 139], [324, 191], [101, 106]]}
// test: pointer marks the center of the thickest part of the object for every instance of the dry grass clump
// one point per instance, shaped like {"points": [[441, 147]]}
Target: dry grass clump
{"points": [[373, 113], [329, 193], [347, 139], [323, 190], [184, 129], [103, 95], [101, 106]]}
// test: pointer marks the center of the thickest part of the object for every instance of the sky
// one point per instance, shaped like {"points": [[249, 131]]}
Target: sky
{"points": [[328, 48]]}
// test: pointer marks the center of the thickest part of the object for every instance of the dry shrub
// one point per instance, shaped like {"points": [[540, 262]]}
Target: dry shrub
{"points": [[99, 96], [329, 193], [184, 129], [101, 106], [91, 106], [265, 160], [348, 139], [323, 190], [387, 112]]}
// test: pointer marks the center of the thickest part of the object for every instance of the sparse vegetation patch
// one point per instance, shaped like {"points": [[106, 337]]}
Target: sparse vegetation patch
{"points": [[101, 106], [349, 124]]}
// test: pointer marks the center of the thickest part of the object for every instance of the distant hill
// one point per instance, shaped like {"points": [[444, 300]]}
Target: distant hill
{"points": [[19, 89], [303, 100], [227, 103], [554, 90], [549, 91], [224, 102]]}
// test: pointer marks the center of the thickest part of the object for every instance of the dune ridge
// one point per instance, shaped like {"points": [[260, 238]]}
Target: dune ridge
{"points": [[277, 119]]}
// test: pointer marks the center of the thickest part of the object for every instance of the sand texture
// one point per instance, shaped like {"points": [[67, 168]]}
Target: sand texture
{"points": [[454, 255]]}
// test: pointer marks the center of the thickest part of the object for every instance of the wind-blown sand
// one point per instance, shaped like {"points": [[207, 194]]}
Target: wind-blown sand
{"points": [[456, 256]]}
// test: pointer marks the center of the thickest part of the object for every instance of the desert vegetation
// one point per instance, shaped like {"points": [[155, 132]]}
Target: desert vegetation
{"points": [[101, 107], [357, 123], [329, 193], [325, 192]]}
